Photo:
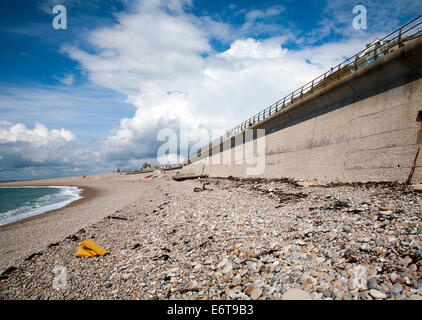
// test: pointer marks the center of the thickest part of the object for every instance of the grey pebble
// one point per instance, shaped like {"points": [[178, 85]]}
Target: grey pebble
{"points": [[372, 283], [397, 288]]}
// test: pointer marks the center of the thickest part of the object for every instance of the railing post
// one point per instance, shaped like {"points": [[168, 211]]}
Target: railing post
{"points": [[399, 38], [291, 100], [312, 85], [284, 102], [276, 107], [375, 52], [356, 62], [301, 92]]}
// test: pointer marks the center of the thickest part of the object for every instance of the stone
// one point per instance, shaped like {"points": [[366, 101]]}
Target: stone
{"points": [[231, 293], [236, 281], [296, 294], [406, 261], [347, 296], [372, 283], [394, 277], [397, 288], [249, 290], [417, 187], [256, 293], [364, 295], [377, 294], [197, 268], [339, 294], [228, 268], [413, 268], [414, 297]]}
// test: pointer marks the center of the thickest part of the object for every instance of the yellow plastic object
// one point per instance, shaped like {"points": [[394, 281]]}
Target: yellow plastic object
{"points": [[93, 246], [81, 252]]}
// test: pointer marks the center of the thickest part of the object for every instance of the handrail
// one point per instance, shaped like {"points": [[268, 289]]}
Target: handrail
{"points": [[361, 59]]}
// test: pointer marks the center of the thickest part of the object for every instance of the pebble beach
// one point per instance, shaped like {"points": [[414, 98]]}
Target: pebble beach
{"points": [[220, 239]]}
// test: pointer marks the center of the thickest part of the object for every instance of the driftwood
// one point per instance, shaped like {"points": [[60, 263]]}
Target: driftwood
{"points": [[186, 177], [412, 169]]}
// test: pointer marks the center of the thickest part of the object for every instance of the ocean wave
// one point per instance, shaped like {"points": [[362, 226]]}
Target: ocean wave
{"points": [[42, 204]]}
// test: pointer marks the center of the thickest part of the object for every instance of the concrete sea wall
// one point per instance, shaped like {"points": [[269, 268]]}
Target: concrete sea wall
{"points": [[361, 128]]}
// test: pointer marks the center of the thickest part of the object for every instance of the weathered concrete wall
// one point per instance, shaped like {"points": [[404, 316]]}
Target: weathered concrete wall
{"points": [[362, 128]]}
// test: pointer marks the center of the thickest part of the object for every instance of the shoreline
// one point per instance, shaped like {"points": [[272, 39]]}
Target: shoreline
{"points": [[87, 194], [102, 194]]}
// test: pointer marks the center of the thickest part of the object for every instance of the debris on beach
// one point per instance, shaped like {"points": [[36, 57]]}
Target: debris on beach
{"points": [[30, 257], [89, 248], [73, 238], [54, 244], [82, 252], [136, 246], [180, 177], [7, 272], [116, 217]]}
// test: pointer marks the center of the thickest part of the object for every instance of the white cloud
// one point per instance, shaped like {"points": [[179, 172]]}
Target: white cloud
{"points": [[67, 79], [164, 63], [38, 136], [262, 14], [55, 151], [251, 48]]}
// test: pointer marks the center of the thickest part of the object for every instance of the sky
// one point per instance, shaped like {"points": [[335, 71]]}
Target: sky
{"points": [[97, 95]]}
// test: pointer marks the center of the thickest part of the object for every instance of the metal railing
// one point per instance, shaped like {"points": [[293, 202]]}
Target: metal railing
{"points": [[361, 59]]}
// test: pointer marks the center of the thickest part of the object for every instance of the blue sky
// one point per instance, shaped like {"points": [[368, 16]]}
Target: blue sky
{"points": [[94, 97]]}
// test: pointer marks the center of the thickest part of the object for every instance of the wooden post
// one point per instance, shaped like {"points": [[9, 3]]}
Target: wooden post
{"points": [[412, 169]]}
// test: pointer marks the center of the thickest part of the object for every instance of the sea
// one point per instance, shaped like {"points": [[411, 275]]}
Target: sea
{"points": [[17, 203]]}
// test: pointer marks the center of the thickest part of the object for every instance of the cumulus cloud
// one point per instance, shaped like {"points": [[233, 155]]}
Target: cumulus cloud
{"points": [[57, 150], [38, 136], [171, 74]]}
